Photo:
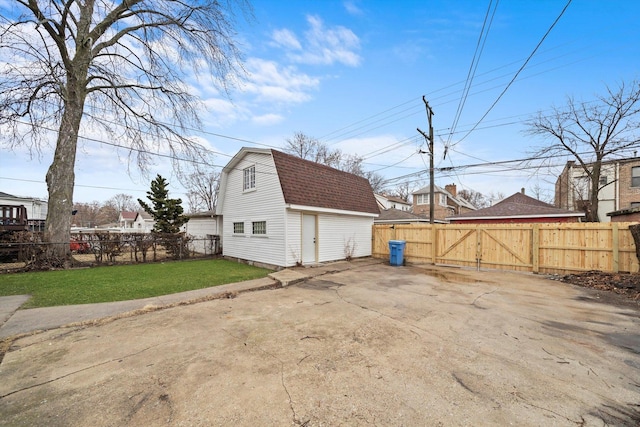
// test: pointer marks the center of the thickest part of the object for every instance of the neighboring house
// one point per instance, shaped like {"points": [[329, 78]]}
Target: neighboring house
{"points": [[143, 222], [126, 220], [518, 208], [447, 202], [36, 209], [281, 210], [392, 202], [203, 228], [619, 187], [625, 215], [396, 216]]}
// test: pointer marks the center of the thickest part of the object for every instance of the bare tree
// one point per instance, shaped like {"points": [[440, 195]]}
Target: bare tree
{"points": [[116, 66], [592, 133], [403, 190], [476, 198], [542, 194], [122, 202], [309, 148], [202, 190]]}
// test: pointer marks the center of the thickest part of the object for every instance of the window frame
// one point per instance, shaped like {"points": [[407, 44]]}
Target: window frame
{"points": [[262, 228], [249, 178], [636, 178], [422, 197], [235, 230]]}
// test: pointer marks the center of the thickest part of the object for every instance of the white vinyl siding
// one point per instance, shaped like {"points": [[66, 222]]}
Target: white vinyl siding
{"points": [[294, 232], [281, 246], [200, 228], [265, 203], [335, 232]]}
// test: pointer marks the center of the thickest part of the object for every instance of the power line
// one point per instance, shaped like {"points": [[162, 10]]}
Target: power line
{"points": [[482, 39], [517, 73]]}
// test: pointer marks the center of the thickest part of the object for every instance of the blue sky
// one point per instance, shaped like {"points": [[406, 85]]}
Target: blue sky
{"points": [[353, 73]]}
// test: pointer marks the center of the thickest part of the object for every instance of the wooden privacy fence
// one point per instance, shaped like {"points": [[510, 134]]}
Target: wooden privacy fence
{"points": [[538, 248]]}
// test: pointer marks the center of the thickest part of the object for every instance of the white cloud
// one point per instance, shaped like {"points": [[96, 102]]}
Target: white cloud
{"points": [[286, 39], [352, 8], [275, 83], [323, 45], [267, 119]]}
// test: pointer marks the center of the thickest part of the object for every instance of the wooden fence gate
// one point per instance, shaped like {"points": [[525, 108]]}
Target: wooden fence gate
{"points": [[544, 248]]}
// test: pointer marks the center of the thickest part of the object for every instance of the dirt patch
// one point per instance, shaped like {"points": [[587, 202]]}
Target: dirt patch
{"points": [[626, 285]]}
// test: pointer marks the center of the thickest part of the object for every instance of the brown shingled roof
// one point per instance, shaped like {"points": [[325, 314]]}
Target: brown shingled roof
{"points": [[308, 183], [517, 205]]}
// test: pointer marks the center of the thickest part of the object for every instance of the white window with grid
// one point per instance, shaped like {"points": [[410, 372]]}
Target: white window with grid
{"points": [[238, 228], [259, 227], [249, 178], [422, 199]]}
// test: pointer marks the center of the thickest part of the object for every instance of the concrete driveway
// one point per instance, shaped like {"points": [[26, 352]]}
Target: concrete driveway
{"points": [[375, 345]]}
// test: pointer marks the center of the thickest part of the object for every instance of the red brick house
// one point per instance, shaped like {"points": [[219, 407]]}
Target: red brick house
{"points": [[517, 208]]}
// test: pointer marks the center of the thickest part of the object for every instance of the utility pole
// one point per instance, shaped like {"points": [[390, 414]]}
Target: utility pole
{"points": [[429, 139]]}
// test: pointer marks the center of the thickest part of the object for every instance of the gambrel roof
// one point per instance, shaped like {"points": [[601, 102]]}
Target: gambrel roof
{"points": [[517, 206], [307, 183]]}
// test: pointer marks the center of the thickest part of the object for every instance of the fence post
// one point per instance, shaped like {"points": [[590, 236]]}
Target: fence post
{"points": [[478, 246], [616, 247], [434, 243], [535, 248]]}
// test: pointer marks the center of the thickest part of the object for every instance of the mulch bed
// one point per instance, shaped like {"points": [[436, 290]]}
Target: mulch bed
{"points": [[626, 284]]}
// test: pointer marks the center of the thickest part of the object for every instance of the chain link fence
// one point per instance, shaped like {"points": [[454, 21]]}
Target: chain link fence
{"points": [[19, 250]]}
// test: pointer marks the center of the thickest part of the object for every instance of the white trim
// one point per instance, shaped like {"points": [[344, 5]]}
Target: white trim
{"points": [[328, 210]]}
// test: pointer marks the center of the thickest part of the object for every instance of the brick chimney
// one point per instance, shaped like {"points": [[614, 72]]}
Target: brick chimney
{"points": [[451, 188]]}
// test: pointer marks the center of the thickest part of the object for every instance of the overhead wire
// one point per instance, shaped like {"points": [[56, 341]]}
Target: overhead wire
{"points": [[517, 73], [482, 39]]}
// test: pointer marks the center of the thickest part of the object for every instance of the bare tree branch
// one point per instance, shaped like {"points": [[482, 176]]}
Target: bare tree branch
{"points": [[116, 66], [591, 133]]}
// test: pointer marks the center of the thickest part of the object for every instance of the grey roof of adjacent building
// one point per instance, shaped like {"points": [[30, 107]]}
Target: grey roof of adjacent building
{"points": [[517, 206], [399, 216]]}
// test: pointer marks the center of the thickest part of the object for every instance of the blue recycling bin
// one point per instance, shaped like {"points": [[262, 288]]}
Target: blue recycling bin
{"points": [[396, 252]]}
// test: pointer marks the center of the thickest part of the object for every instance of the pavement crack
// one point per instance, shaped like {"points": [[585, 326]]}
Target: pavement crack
{"points": [[480, 296], [117, 359], [380, 314], [296, 421], [459, 381]]}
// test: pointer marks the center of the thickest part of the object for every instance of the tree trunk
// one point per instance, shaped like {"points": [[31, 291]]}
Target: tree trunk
{"points": [[60, 182], [61, 175], [635, 232], [592, 214]]}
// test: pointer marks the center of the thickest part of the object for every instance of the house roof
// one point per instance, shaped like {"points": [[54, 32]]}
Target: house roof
{"points": [[397, 215], [518, 205], [395, 199], [126, 215], [203, 214], [307, 183], [144, 215]]}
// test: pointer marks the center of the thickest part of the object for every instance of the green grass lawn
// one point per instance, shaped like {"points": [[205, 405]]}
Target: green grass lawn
{"points": [[123, 282]]}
